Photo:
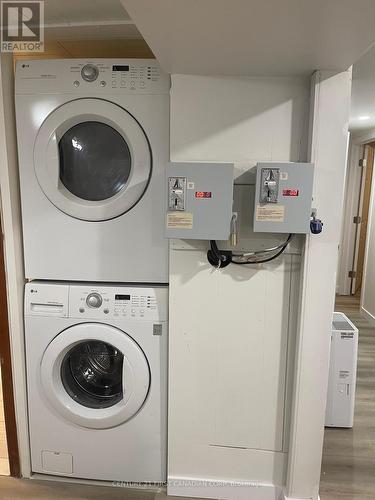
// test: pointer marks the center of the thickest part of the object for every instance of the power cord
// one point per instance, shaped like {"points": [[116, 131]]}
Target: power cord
{"points": [[222, 258]]}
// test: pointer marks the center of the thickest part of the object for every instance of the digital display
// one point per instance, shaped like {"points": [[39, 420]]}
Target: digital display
{"points": [[203, 194], [122, 297], [290, 192], [120, 68]]}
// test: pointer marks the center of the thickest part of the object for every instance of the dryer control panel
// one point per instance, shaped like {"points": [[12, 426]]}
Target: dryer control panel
{"points": [[96, 302], [102, 76]]}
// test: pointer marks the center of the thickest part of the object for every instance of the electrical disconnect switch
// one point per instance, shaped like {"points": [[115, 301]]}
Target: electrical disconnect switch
{"points": [[283, 198], [269, 186], [176, 193]]}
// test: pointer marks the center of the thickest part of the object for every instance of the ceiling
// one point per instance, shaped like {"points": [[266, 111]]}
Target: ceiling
{"points": [[67, 11], [254, 37], [362, 115], [87, 19]]}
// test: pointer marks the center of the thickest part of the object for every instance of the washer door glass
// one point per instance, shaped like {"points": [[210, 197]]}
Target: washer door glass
{"points": [[95, 375], [91, 373], [95, 161]]}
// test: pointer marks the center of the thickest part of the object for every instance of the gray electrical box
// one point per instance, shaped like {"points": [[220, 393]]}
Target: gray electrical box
{"points": [[199, 200], [283, 197]]}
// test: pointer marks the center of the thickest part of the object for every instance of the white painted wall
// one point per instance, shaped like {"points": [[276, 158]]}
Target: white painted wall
{"points": [[239, 119], [368, 283], [230, 339]]}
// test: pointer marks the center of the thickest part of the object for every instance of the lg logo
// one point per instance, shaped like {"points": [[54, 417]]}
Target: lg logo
{"points": [[22, 26]]}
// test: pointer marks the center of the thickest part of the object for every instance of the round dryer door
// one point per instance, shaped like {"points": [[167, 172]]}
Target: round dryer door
{"points": [[92, 159], [95, 375]]}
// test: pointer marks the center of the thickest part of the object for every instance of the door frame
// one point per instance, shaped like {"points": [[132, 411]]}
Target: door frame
{"points": [[350, 210], [6, 371], [13, 255], [352, 204]]}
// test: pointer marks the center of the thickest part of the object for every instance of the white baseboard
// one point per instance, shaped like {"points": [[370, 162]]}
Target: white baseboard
{"points": [[368, 315], [225, 489], [295, 498]]}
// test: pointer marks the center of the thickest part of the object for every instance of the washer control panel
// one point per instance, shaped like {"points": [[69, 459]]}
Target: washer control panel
{"points": [[96, 302], [115, 302]]}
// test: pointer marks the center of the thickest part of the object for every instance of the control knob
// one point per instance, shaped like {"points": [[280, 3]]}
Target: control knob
{"points": [[89, 72], [94, 300]]}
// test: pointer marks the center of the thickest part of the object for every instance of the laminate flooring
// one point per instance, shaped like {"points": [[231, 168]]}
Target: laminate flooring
{"points": [[348, 467]]}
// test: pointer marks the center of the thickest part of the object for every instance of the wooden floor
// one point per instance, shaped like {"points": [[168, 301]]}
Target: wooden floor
{"points": [[4, 463], [30, 489], [348, 468]]}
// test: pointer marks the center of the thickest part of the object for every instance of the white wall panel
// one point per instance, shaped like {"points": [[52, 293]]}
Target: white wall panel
{"points": [[231, 340], [238, 119]]}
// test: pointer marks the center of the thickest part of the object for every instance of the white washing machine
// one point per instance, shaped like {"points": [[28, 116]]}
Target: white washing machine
{"points": [[93, 143], [97, 380]]}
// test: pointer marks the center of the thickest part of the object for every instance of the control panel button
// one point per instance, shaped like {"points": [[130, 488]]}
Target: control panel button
{"points": [[106, 311], [76, 83], [89, 72], [94, 300], [81, 310]]}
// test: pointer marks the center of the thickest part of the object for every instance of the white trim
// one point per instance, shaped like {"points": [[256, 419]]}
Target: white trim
{"points": [[369, 223], [223, 489], [11, 219], [328, 146], [368, 315], [294, 498]]}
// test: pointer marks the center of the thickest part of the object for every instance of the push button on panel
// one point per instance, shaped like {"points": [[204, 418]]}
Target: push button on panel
{"points": [[94, 300]]}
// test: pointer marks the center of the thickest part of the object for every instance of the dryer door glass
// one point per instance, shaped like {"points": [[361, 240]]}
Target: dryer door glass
{"points": [[92, 159], [91, 373], [95, 161]]}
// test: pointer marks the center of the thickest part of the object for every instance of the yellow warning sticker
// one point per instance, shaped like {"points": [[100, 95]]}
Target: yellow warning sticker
{"points": [[180, 220], [270, 213]]}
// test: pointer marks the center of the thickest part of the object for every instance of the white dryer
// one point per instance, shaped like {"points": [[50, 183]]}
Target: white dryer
{"points": [[93, 144], [96, 379]]}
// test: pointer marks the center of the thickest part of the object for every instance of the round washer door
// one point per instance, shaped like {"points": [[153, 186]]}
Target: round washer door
{"points": [[92, 159], [95, 375]]}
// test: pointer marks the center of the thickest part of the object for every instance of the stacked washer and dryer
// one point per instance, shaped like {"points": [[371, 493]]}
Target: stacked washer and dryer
{"points": [[93, 141]]}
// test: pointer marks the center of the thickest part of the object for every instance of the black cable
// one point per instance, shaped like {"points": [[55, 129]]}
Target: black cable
{"points": [[218, 258], [222, 258], [282, 250]]}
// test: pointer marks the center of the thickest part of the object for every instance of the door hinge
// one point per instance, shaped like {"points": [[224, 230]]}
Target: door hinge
{"points": [[352, 274], [362, 162], [357, 219]]}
